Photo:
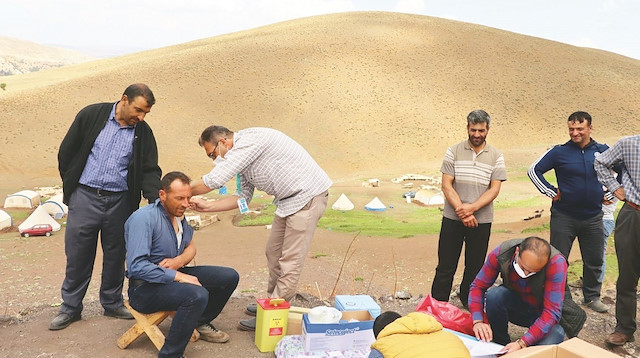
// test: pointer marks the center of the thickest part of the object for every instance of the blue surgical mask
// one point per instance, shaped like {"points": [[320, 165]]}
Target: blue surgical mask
{"points": [[519, 269]]}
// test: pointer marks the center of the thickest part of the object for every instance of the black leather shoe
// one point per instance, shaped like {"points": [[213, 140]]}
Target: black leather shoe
{"points": [[252, 309], [121, 312], [63, 320], [247, 324]]}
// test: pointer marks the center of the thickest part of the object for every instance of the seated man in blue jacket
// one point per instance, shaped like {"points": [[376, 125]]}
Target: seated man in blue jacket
{"points": [[159, 246]]}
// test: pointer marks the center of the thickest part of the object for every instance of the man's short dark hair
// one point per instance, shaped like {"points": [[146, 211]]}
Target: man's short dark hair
{"points": [[383, 320], [140, 89], [478, 116], [580, 117], [170, 177], [212, 134], [537, 245]]}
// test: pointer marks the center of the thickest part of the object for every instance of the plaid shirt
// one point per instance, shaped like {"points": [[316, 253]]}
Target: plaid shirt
{"points": [[550, 310], [274, 163], [107, 166], [626, 154]]}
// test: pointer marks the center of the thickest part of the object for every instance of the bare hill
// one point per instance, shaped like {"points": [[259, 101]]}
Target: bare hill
{"points": [[21, 56], [365, 93]]}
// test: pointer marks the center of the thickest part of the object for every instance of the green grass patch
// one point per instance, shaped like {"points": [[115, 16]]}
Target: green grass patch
{"points": [[574, 271], [264, 218], [536, 229], [521, 203], [18, 214], [418, 221]]}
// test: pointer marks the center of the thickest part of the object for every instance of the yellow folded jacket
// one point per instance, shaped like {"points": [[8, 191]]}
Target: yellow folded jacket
{"points": [[418, 335]]}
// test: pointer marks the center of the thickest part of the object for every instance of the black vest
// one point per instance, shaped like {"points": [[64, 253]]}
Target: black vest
{"points": [[536, 282]]}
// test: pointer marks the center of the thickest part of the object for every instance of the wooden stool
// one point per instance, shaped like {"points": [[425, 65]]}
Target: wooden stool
{"points": [[148, 323]]}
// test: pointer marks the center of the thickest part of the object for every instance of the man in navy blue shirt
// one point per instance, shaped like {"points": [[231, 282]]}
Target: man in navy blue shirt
{"points": [[159, 246], [576, 208]]}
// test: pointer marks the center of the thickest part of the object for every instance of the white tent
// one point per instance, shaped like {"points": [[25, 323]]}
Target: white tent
{"points": [[422, 196], [5, 219], [22, 199], [39, 216], [343, 203], [437, 199], [55, 207], [375, 205]]}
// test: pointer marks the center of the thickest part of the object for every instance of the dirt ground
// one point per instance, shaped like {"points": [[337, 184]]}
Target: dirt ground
{"points": [[33, 269]]}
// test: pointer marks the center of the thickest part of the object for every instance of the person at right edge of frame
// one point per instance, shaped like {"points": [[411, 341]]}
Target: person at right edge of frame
{"points": [[625, 154], [576, 207], [472, 173]]}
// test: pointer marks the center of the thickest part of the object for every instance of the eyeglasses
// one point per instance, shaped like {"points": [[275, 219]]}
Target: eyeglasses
{"points": [[212, 154]]}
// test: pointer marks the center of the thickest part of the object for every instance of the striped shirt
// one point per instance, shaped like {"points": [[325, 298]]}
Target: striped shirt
{"points": [[625, 154], [473, 173], [108, 163], [270, 161], [550, 310]]}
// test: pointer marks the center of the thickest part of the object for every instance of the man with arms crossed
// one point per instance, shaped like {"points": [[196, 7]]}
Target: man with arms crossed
{"points": [[268, 160], [472, 173], [625, 154], [108, 157], [576, 208], [159, 246]]}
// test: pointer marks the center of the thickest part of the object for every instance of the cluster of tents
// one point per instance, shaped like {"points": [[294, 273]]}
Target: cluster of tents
{"points": [[44, 213], [344, 204]]}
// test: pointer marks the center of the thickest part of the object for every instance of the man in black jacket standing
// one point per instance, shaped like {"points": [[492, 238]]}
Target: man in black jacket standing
{"points": [[107, 158]]}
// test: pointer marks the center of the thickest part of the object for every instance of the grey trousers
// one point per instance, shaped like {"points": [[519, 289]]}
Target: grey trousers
{"points": [[564, 229], [627, 240], [90, 214]]}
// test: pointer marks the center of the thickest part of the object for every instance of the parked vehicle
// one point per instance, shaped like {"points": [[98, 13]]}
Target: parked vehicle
{"points": [[37, 230]]}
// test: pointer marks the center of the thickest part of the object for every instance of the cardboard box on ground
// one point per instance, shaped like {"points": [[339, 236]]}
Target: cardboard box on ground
{"points": [[573, 348], [346, 335]]}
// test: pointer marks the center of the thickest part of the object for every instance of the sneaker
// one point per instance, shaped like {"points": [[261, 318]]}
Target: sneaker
{"points": [[596, 305], [210, 334]]}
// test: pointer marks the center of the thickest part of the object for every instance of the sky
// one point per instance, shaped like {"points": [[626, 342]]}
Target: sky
{"points": [[115, 27]]}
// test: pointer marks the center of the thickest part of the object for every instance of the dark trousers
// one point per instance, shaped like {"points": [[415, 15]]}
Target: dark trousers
{"points": [[504, 305], [452, 234], [194, 305], [627, 240], [90, 214], [564, 229]]}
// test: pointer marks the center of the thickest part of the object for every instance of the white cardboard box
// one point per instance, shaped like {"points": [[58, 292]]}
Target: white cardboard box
{"points": [[339, 336]]}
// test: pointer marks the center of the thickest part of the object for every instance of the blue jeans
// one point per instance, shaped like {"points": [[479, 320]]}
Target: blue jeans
{"points": [[608, 225], [194, 305], [504, 305]]}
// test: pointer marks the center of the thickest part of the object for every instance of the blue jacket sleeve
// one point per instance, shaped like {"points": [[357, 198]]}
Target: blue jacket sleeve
{"points": [[139, 233], [538, 168]]}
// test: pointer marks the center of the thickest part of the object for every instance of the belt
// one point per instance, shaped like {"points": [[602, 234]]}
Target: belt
{"points": [[635, 206], [134, 282], [99, 192]]}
